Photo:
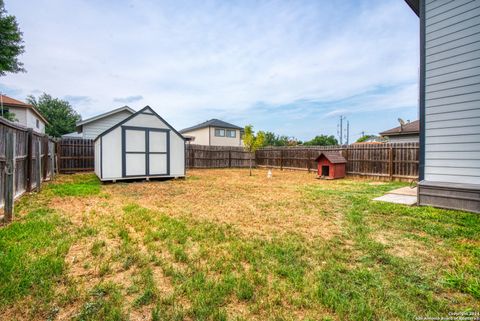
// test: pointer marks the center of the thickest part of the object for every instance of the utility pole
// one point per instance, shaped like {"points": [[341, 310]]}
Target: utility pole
{"points": [[340, 129], [348, 131], [340, 134]]}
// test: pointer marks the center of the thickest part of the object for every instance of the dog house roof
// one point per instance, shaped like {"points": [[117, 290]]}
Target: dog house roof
{"points": [[333, 157]]}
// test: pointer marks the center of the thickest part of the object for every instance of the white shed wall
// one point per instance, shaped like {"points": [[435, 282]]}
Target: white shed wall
{"points": [[112, 148], [98, 171]]}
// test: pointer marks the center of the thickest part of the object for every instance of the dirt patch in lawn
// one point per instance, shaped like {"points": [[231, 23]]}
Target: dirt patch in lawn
{"points": [[254, 205], [404, 247]]}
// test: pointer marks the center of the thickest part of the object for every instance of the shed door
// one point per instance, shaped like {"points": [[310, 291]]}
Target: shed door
{"points": [[158, 152], [145, 152], [135, 152]]}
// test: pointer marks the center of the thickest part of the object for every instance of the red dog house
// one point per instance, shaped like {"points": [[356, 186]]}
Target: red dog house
{"points": [[331, 165]]}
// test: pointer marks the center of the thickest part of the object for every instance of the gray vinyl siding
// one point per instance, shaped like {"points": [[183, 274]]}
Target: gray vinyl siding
{"points": [[95, 128], [452, 91]]}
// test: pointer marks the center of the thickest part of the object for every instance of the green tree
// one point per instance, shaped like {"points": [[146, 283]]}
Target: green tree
{"points": [[252, 142], [322, 140], [8, 115], [11, 43], [365, 138], [271, 139], [61, 117]]}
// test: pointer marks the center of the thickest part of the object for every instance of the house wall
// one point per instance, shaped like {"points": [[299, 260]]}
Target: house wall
{"points": [[452, 92], [112, 148], [32, 122], [95, 128], [28, 118], [225, 141], [403, 139], [20, 114], [201, 136], [451, 72]]}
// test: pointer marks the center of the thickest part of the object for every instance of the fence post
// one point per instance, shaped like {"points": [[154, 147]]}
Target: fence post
{"points": [[229, 158], [45, 157], [390, 163], [52, 161], [59, 156], [29, 159], [9, 176], [281, 159], [39, 166]]}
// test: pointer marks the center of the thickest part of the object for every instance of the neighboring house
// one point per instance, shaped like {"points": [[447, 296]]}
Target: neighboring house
{"points": [[143, 145], [25, 114], [92, 127], [449, 103], [407, 133], [214, 132]]}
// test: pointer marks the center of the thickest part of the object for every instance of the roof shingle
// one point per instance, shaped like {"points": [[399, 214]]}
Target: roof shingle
{"points": [[211, 123], [333, 157], [407, 129]]}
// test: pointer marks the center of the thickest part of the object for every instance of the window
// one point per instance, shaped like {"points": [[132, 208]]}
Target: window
{"points": [[231, 133], [219, 132], [37, 123]]}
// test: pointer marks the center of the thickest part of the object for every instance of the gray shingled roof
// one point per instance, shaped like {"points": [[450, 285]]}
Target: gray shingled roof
{"points": [[211, 123], [407, 129], [333, 157]]}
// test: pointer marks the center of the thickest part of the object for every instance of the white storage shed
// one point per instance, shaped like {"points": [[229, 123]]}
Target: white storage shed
{"points": [[143, 145]]}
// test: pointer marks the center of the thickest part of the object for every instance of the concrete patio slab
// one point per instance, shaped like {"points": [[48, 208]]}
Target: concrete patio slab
{"points": [[398, 199], [405, 191]]}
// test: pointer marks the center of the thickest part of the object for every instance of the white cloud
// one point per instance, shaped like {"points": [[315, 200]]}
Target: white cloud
{"points": [[196, 60]]}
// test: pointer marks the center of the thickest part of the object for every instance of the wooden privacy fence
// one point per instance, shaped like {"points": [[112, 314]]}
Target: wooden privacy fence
{"points": [[75, 155], [26, 160], [198, 156], [389, 161]]}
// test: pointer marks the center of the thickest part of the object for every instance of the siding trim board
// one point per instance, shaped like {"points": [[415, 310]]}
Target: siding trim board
{"points": [[446, 11], [453, 32], [453, 64], [455, 14], [453, 24], [450, 41]]}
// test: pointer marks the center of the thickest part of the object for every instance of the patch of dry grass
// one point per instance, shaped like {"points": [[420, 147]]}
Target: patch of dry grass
{"points": [[223, 245]]}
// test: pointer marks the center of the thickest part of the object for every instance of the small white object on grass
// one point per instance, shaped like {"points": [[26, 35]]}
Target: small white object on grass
{"points": [[269, 174]]}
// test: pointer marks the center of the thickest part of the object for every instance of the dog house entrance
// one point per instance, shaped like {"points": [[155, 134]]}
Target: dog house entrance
{"points": [[325, 170]]}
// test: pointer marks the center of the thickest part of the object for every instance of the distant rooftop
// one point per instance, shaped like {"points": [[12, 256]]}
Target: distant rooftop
{"points": [[9, 101], [108, 113], [211, 123], [407, 129]]}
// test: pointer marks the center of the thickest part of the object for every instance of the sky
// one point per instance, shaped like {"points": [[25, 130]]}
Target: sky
{"points": [[291, 67]]}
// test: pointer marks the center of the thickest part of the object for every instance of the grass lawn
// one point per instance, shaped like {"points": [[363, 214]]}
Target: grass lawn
{"points": [[221, 245]]}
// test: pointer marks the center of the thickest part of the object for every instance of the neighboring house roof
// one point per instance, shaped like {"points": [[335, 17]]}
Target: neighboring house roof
{"points": [[138, 113], [211, 123], [72, 135], [412, 128], [333, 157], [109, 113], [415, 5], [10, 102]]}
